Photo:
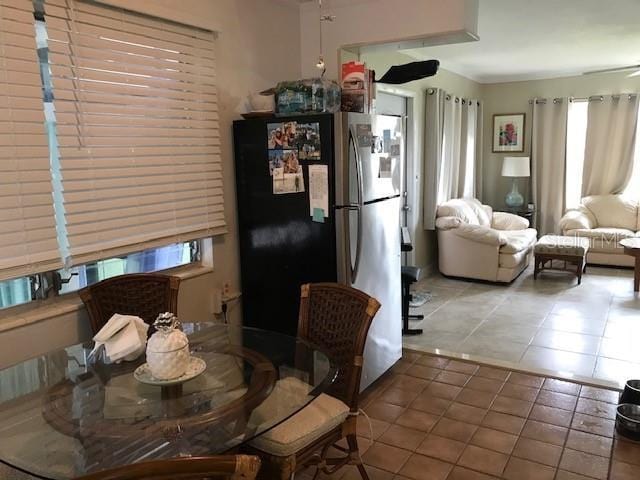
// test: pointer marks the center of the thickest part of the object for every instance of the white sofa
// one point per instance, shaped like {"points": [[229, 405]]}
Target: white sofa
{"points": [[604, 220], [475, 242]]}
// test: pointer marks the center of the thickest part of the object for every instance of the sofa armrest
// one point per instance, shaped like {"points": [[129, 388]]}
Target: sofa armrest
{"points": [[508, 221], [480, 234], [447, 223], [576, 219]]}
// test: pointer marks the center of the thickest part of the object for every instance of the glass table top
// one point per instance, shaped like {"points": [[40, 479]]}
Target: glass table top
{"points": [[63, 415]]}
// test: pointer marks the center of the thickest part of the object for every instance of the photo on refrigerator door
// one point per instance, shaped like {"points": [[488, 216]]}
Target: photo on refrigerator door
{"points": [[289, 177], [276, 138], [275, 160], [307, 141]]}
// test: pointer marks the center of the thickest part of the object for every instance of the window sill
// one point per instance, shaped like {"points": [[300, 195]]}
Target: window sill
{"points": [[38, 311]]}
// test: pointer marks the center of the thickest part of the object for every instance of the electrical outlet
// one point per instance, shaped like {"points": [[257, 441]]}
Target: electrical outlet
{"points": [[217, 301]]}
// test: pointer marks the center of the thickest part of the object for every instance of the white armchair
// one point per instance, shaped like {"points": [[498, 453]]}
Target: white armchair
{"points": [[475, 242]]}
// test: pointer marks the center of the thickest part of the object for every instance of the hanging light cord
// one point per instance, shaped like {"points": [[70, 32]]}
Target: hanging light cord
{"points": [[322, 18]]}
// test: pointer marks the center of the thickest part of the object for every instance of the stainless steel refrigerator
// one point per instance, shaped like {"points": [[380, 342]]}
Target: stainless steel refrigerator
{"points": [[357, 243]]}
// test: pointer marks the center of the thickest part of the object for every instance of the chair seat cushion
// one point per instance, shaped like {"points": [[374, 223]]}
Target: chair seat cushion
{"points": [[562, 245], [322, 415], [517, 240]]}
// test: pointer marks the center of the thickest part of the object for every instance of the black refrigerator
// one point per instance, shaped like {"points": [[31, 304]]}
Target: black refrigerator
{"points": [[281, 247], [352, 235]]}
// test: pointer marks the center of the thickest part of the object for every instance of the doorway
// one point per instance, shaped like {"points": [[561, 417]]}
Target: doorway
{"points": [[398, 105]]}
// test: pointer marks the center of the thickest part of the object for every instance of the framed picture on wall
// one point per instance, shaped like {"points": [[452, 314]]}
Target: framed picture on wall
{"points": [[508, 132]]}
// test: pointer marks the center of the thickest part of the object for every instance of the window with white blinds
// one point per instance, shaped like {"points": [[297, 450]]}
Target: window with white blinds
{"points": [[28, 243], [137, 130]]}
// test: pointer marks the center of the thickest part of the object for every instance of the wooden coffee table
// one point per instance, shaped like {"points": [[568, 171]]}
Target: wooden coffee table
{"points": [[632, 247]]}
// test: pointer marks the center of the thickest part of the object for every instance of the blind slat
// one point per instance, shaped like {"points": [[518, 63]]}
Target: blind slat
{"points": [[28, 239], [137, 128]]}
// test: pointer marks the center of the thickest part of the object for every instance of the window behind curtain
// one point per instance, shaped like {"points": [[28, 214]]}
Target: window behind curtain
{"points": [[576, 138]]}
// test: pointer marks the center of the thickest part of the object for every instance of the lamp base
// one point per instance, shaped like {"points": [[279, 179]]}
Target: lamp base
{"points": [[514, 199]]}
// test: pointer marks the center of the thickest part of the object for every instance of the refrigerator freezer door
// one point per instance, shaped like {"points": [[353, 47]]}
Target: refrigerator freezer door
{"points": [[380, 149], [379, 276]]}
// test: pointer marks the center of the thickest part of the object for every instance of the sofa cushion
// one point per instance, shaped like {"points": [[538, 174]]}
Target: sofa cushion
{"points": [[483, 212], [603, 239], [320, 416], [509, 221], [458, 208], [617, 211], [580, 217], [479, 234], [517, 240]]}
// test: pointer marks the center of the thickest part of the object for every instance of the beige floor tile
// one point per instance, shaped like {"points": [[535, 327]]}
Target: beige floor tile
{"points": [[489, 347], [571, 342], [590, 326], [615, 370], [559, 361]]}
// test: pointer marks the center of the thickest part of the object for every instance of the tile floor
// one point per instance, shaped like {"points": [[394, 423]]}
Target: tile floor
{"points": [[437, 419], [590, 330]]}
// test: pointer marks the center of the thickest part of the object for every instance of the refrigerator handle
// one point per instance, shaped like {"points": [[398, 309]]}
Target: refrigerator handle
{"points": [[356, 262]]}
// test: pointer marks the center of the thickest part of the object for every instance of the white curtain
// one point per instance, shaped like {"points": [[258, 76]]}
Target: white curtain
{"points": [[548, 159], [609, 150], [453, 169]]}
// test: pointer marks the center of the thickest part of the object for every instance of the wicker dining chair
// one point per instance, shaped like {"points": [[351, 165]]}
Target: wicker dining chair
{"points": [[336, 319], [142, 294], [234, 467]]}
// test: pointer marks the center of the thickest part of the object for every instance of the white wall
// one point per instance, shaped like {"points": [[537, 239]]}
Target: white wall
{"points": [[366, 22], [514, 97], [424, 242], [258, 45]]}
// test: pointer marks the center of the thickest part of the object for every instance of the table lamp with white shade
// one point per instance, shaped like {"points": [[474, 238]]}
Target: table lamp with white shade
{"points": [[515, 167]]}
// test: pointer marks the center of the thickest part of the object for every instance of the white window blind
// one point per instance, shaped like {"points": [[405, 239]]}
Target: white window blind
{"points": [[28, 242], [137, 128]]}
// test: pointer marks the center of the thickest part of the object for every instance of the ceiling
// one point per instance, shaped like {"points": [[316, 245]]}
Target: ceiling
{"points": [[533, 39]]}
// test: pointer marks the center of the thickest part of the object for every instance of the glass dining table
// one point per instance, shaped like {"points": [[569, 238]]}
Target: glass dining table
{"points": [[65, 414]]}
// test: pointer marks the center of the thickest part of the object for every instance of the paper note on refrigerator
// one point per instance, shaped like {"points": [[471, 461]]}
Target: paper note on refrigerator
{"points": [[318, 189]]}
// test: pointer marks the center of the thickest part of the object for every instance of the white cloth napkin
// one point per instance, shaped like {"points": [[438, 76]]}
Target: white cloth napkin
{"points": [[124, 338]]}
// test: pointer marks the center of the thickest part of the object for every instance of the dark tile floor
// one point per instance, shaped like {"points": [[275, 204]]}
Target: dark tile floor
{"points": [[439, 419]]}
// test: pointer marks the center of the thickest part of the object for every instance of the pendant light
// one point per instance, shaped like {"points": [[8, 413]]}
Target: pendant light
{"points": [[322, 18]]}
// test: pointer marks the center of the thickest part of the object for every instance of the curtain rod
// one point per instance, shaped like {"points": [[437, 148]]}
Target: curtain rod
{"points": [[593, 98], [448, 96]]}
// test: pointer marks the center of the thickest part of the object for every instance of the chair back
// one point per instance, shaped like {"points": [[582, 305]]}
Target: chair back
{"points": [[142, 294], [337, 318], [233, 467]]}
